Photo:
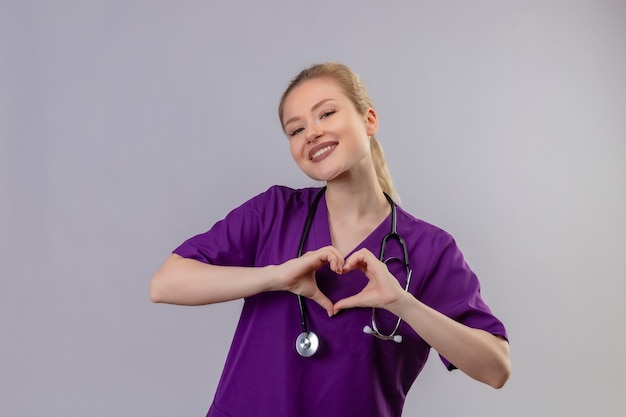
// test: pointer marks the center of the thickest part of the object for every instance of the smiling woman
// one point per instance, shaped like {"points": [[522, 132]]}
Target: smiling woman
{"points": [[390, 302], [353, 89], [329, 137]]}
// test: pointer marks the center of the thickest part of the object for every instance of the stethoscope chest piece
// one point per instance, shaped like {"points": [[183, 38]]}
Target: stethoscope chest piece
{"points": [[307, 344]]}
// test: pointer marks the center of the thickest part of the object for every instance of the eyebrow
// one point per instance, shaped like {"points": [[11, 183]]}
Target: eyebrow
{"points": [[315, 106]]}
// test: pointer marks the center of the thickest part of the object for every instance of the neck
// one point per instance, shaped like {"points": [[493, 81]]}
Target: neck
{"points": [[354, 211], [356, 201]]}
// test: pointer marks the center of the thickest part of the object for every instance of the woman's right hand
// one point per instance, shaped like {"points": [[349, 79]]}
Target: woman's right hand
{"points": [[298, 275]]}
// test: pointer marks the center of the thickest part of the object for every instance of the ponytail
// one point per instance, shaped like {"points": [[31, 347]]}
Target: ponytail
{"points": [[382, 171]]}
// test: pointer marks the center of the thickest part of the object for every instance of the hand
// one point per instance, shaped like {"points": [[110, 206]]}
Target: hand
{"points": [[298, 274], [382, 290]]}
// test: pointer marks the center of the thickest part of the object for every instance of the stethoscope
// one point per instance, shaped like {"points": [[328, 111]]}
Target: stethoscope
{"points": [[307, 342]]}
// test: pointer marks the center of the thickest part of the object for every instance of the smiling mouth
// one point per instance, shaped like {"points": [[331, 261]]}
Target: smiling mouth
{"points": [[322, 151]]}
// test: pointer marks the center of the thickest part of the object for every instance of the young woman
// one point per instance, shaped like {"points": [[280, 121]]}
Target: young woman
{"points": [[345, 292]]}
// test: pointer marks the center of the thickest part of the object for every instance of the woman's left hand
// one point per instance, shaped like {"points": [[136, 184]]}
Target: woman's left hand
{"points": [[382, 290]]}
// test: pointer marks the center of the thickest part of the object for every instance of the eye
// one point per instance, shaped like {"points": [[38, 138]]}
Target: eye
{"points": [[295, 131], [327, 113]]}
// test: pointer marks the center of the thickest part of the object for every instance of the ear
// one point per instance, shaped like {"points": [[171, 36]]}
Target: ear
{"points": [[371, 121]]}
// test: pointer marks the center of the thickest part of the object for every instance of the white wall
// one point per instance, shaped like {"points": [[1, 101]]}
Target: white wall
{"points": [[128, 126]]}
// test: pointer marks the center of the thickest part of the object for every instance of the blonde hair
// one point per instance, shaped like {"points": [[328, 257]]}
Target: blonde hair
{"points": [[355, 90]]}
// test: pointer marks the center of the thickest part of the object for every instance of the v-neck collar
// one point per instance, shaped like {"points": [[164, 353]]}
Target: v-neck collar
{"points": [[320, 228]]}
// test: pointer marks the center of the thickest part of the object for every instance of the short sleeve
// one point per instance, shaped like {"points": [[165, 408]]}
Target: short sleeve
{"points": [[232, 241], [453, 289]]}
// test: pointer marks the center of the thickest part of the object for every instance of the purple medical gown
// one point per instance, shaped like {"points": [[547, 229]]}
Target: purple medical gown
{"points": [[352, 373]]}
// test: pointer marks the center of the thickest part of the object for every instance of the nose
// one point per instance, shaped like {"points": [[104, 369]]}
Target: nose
{"points": [[314, 132]]}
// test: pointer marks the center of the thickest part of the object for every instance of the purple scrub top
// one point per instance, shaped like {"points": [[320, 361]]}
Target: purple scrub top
{"points": [[352, 373]]}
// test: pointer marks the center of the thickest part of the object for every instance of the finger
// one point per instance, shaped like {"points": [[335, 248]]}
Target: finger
{"points": [[331, 255], [359, 259], [324, 302]]}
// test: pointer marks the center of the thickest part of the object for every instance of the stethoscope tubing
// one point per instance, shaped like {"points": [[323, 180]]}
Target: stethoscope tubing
{"points": [[305, 233], [307, 342]]}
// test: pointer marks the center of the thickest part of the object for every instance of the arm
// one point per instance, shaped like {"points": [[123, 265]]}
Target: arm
{"points": [[479, 354], [189, 282], [185, 281]]}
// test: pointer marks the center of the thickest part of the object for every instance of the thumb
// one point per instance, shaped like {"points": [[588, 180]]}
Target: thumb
{"points": [[324, 302], [348, 302]]}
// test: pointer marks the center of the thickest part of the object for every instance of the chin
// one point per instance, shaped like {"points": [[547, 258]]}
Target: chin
{"points": [[323, 177], [318, 174]]}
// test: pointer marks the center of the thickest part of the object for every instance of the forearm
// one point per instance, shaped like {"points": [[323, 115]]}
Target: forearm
{"points": [[189, 282], [479, 354]]}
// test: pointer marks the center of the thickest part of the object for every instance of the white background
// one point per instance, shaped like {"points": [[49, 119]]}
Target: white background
{"points": [[128, 126]]}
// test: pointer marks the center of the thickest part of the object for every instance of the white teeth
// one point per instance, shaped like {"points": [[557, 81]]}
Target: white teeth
{"points": [[321, 151]]}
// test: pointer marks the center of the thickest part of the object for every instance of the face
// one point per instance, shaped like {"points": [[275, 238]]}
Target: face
{"points": [[328, 137]]}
